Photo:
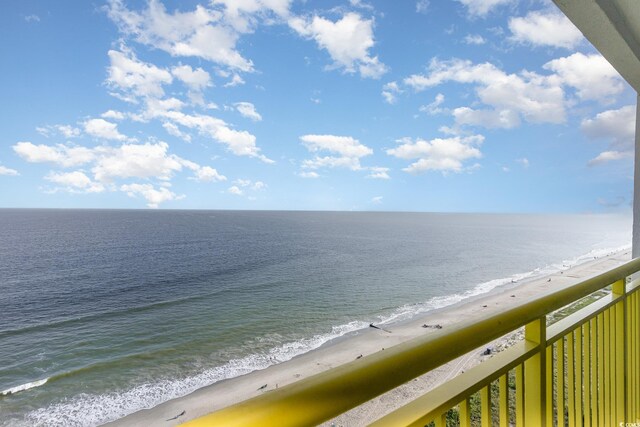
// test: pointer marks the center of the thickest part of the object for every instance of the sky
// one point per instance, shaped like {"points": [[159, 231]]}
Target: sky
{"points": [[440, 105]]}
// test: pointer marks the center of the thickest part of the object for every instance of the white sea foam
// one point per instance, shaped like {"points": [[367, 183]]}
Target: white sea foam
{"points": [[90, 410], [23, 387]]}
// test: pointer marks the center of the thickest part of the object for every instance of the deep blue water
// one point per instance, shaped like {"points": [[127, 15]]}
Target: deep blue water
{"points": [[122, 310]]}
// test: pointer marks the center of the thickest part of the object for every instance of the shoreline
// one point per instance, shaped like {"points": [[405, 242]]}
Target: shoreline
{"points": [[362, 343]]}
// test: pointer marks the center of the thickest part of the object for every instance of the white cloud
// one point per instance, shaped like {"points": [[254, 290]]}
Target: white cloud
{"points": [[445, 155], [505, 119], [434, 107], [152, 195], [132, 78], [62, 155], [208, 174], [378, 172], [174, 130], [112, 114], [8, 171], [347, 41], [147, 160], [75, 181], [200, 33], [236, 80], [240, 143], [524, 162], [591, 75], [480, 8], [242, 14], [615, 126], [608, 156], [32, 18], [545, 29], [346, 146], [422, 6], [197, 79], [100, 128], [234, 189], [390, 92], [376, 200], [250, 185], [474, 39], [248, 110], [308, 174], [528, 95]]}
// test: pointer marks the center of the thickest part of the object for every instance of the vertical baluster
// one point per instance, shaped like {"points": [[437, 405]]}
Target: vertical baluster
{"points": [[578, 376], [593, 385], [586, 381], [600, 398], [519, 396], [465, 413], [504, 400], [571, 379], [560, 372], [535, 375], [549, 385], [485, 406]]}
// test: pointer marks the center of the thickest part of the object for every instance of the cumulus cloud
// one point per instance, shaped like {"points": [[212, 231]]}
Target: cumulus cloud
{"points": [[346, 151], [524, 162], [422, 6], [540, 28], [528, 95], [61, 155], [108, 165], [248, 110], [434, 107], [378, 172], [347, 41], [474, 39], [234, 189], [100, 128], [390, 92], [615, 126], [481, 8], [112, 114], [152, 195], [67, 131], [195, 79], [240, 143], [200, 33], [309, 174], [591, 75], [376, 200], [8, 171], [131, 78], [75, 182], [440, 154]]}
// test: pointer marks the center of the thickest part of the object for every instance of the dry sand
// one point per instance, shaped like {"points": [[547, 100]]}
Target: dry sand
{"points": [[365, 342]]}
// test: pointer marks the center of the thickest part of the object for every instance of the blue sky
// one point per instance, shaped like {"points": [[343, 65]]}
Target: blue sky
{"points": [[447, 105]]}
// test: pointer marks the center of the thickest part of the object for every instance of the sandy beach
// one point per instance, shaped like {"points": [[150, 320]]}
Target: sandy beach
{"points": [[363, 343]]}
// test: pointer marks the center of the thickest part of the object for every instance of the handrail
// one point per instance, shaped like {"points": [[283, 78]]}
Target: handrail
{"points": [[323, 396]]}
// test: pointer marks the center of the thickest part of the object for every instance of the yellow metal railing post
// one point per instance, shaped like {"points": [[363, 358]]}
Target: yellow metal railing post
{"points": [[535, 375], [618, 291]]}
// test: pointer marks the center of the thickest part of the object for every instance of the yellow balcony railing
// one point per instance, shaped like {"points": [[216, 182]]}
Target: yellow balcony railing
{"points": [[583, 370]]}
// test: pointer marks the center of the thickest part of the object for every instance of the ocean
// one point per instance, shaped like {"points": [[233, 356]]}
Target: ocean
{"points": [[106, 312]]}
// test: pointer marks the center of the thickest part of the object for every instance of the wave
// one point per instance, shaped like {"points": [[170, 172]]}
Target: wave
{"points": [[95, 409], [23, 387]]}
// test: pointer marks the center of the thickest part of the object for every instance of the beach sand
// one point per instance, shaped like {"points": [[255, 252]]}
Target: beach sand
{"points": [[365, 342]]}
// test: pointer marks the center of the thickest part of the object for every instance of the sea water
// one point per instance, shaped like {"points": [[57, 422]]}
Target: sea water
{"points": [[105, 312]]}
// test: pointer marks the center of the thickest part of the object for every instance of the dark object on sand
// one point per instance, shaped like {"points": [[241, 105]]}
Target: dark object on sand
{"points": [[359, 357], [263, 387], [371, 325], [487, 352], [179, 415], [438, 326]]}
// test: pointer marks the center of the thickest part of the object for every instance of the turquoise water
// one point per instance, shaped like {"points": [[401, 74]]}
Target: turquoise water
{"points": [[103, 313]]}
